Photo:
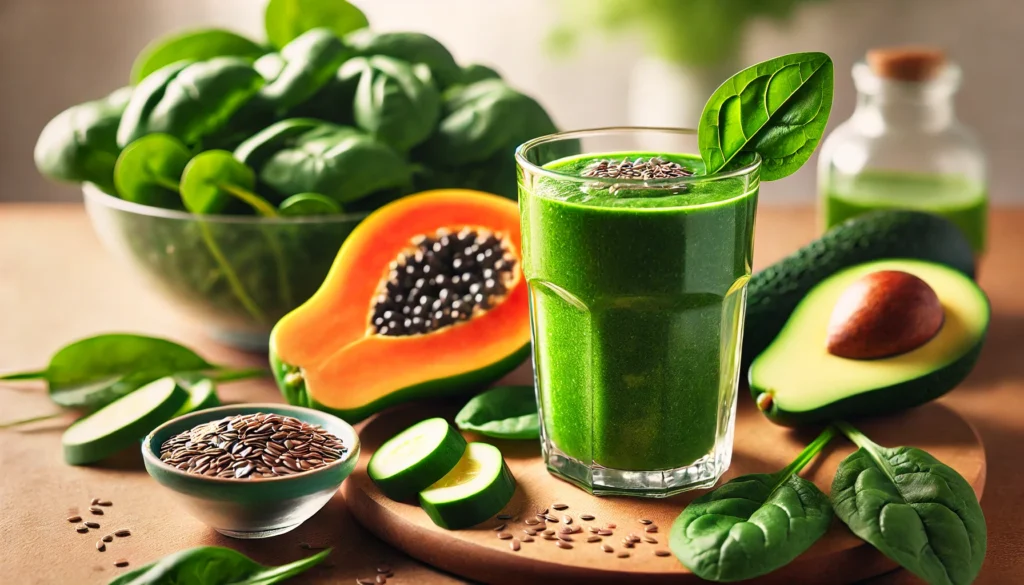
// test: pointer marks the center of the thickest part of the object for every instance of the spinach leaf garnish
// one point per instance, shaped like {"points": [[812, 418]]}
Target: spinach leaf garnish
{"points": [[193, 45], [215, 565], [753, 524], [285, 20], [777, 109], [913, 508], [506, 412]]}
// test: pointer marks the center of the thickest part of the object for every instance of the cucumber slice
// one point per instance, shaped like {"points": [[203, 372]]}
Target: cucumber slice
{"points": [[477, 488], [123, 422], [202, 394], [412, 460]]}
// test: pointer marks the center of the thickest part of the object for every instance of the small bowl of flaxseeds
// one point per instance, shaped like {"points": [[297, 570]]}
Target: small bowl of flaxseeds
{"points": [[252, 470]]}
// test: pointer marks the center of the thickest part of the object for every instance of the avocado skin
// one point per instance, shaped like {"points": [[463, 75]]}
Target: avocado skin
{"points": [[774, 292], [883, 400]]}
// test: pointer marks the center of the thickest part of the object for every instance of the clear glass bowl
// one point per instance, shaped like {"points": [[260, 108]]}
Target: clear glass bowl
{"points": [[236, 275]]}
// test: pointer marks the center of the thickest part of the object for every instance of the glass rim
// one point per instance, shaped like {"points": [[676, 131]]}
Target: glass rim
{"points": [[101, 197], [624, 130], [865, 80]]}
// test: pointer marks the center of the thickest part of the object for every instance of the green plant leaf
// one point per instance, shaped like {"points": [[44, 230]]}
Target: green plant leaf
{"points": [[777, 109], [215, 565], [506, 412], [148, 171], [306, 64], [193, 45], [412, 47], [396, 102], [916, 510], [214, 179], [189, 100], [753, 524], [80, 143], [475, 72], [287, 19], [304, 204]]}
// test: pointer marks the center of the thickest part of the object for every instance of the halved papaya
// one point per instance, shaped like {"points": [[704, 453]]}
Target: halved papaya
{"points": [[425, 298]]}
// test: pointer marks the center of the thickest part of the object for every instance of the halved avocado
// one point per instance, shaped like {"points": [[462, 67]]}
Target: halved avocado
{"points": [[796, 380]]}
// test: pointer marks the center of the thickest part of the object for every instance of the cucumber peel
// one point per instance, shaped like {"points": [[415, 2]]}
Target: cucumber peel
{"points": [[201, 395], [416, 458], [476, 489], [122, 423]]}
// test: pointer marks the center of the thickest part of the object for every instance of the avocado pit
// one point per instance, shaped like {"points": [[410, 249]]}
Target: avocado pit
{"points": [[885, 313]]}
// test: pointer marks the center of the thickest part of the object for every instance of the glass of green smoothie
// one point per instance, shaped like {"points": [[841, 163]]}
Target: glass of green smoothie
{"points": [[637, 264]]}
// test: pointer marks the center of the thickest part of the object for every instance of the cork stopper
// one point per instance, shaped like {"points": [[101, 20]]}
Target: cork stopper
{"points": [[907, 63]]}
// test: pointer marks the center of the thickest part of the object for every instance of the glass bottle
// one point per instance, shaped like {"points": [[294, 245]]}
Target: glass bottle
{"points": [[904, 147]]}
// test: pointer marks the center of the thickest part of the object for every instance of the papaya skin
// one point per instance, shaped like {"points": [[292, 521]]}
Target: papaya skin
{"points": [[324, 356]]}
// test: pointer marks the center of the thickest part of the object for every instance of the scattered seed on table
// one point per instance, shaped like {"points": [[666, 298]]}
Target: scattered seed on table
{"points": [[650, 540], [527, 539], [551, 518], [593, 529], [96, 510], [92, 525], [100, 546], [587, 517], [94, 501], [500, 527], [504, 516], [652, 529], [104, 503], [661, 553], [623, 555], [628, 544], [549, 532], [381, 579], [646, 521], [532, 521], [559, 506], [567, 519], [594, 539], [514, 545], [108, 538], [563, 544], [565, 537], [542, 512], [566, 530], [607, 548], [121, 563], [383, 569], [605, 532], [549, 537], [530, 532], [610, 526], [504, 535], [82, 528], [125, 532], [365, 582], [74, 519]]}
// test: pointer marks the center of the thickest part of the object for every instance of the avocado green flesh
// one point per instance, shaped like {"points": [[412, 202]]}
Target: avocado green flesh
{"points": [[808, 384]]}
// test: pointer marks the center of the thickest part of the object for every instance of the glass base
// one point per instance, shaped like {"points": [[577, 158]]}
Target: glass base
{"points": [[602, 481], [256, 534]]}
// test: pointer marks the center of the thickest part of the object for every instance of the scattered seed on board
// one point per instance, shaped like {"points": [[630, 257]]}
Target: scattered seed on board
{"points": [[567, 519], [566, 530], [551, 518], [121, 563], [542, 512], [623, 555], [96, 510], [384, 569], [593, 529], [607, 548], [594, 539], [527, 539], [605, 532], [504, 535], [74, 519], [628, 544], [651, 529], [610, 526], [559, 506], [587, 517], [100, 546], [381, 579], [549, 537], [365, 582], [108, 538], [646, 521], [92, 525], [514, 545], [565, 537], [661, 553], [549, 532], [104, 503], [504, 516], [650, 540], [563, 544], [94, 501], [82, 528], [532, 521], [500, 527], [123, 533], [530, 532]]}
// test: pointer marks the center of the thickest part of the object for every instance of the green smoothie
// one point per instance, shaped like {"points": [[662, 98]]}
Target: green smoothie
{"points": [[959, 200], [638, 300]]}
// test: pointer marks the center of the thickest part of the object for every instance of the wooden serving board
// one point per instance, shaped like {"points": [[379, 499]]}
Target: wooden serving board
{"points": [[760, 447]]}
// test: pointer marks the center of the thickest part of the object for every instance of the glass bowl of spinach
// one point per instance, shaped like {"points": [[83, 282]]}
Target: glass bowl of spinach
{"points": [[235, 274]]}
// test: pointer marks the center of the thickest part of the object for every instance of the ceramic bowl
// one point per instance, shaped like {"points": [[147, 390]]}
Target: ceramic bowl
{"points": [[258, 508]]}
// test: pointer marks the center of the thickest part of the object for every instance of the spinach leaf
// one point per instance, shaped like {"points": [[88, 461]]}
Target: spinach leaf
{"points": [[214, 179], [777, 108], [753, 524], [506, 412], [215, 565], [337, 161], [287, 19], [916, 510], [412, 47], [80, 143], [95, 371], [475, 72], [396, 102], [189, 101], [193, 45], [149, 170], [304, 66], [308, 204]]}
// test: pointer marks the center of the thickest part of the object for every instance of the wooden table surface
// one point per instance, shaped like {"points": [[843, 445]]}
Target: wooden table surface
{"points": [[57, 284]]}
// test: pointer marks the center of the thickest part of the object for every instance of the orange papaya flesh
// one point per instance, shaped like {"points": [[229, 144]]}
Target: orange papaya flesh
{"points": [[327, 354]]}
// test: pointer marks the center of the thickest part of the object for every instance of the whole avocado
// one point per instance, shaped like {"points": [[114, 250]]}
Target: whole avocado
{"points": [[774, 292]]}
